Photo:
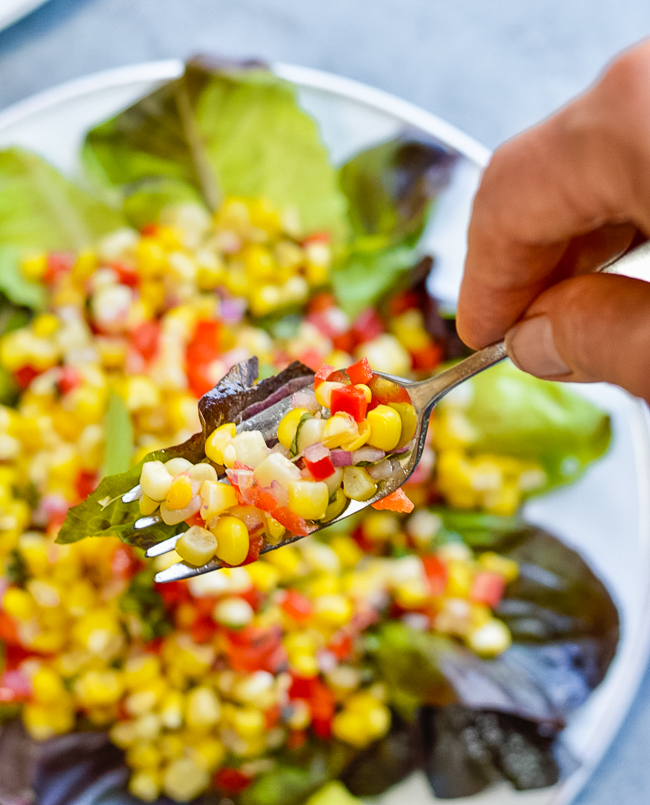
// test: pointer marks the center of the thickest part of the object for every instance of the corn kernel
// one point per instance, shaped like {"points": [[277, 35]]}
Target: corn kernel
{"points": [[146, 785], [218, 440], [45, 325], [324, 392], [340, 429], [208, 753], [196, 545], [385, 427], [505, 567], [180, 493], [48, 686], [19, 604], [143, 755], [184, 780], [333, 610], [308, 499], [203, 708], [172, 710], [34, 266], [232, 540], [490, 639], [141, 670], [216, 498], [234, 613]]}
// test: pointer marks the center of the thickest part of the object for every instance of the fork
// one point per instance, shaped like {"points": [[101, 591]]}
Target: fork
{"points": [[424, 395]]}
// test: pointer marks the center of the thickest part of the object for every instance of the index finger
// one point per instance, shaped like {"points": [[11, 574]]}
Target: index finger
{"points": [[581, 170]]}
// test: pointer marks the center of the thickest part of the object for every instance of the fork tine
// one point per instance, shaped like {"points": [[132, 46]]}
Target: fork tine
{"points": [[147, 522], [132, 495], [180, 571], [165, 546]]}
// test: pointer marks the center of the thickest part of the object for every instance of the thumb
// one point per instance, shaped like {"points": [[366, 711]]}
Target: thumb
{"points": [[586, 329]]}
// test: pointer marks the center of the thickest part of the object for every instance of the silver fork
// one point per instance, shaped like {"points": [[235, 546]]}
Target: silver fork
{"points": [[424, 396]]}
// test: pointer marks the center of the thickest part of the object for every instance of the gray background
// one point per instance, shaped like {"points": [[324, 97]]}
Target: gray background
{"points": [[491, 67]]}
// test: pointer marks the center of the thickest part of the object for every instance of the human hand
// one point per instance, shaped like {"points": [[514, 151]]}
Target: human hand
{"points": [[555, 203]]}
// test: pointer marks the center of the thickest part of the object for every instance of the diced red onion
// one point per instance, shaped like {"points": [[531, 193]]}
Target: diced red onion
{"points": [[341, 458], [305, 399], [371, 454], [232, 310], [279, 493], [316, 452], [381, 471]]}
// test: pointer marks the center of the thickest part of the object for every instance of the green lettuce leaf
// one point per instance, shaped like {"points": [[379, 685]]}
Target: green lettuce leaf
{"points": [[221, 129], [40, 209], [565, 631], [390, 190], [235, 397], [512, 413], [119, 437]]}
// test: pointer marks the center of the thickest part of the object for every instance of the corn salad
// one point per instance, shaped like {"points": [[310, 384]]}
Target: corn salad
{"points": [[200, 683]]}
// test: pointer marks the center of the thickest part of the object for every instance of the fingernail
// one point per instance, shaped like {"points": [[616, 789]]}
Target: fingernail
{"points": [[531, 347]]}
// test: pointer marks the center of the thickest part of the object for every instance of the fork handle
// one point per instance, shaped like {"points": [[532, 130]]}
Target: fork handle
{"points": [[425, 395]]}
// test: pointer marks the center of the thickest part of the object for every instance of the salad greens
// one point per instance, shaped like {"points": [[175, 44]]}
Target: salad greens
{"points": [[40, 209], [234, 130], [509, 412]]}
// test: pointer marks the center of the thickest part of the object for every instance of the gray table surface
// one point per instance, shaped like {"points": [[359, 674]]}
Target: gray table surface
{"points": [[490, 68]]}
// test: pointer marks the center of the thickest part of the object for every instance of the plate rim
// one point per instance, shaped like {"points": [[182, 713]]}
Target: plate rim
{"points": [[613, 716]]}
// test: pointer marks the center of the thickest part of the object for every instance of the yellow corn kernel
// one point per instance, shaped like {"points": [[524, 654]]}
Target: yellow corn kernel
{"points": [[358, 441], [208, 753], [324, 391], [347, 550], [146, 785], [143, 755], [19, 604], [305, 665], [232, 540], [351, 728], [308, 499], [504, 501], [141, 394], [218, 440], [48, 686], [34, 266], [490, 639], [45, 325], [145, 699], [180, 493], [184, 780], [333, 610], [172, 710], [288, 426], [366, 390], [151, 258], [190, 658], [203, 708], [99, 688], [123, 734], [288, 561], [385, 427], [45, 721], [340, 429], [141, 670], [410, 331], [273, 529], [196, 545], [172, 746], [336, 506], [147, 505], [505, 567], [248, 722], [216, 498], [264, 576], [459, 580], [357, 483]]}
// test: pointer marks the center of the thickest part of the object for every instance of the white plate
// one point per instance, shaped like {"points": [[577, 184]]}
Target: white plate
{"points": [[12, 10], [606, 516]]}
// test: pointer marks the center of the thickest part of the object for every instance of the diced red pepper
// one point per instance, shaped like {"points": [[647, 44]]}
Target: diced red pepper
{"points": [[25, 375], [427, 358], [231, 781], [340, 645], [296, 739], [350, 400], [437, 574], [297, 606], [58, 265], [322, 301], [255, 649], [292, 522], [402, 302], [85, 483], [69, 379], [203, 629], [145, 338], [126, 274], [254, 547], [318, 461], [488, 588], [8, 629], [344, 341], [124, 563], [201, 351], [367, 326], [317, 237], [395, 502], [149, 230], [360, 372], [323, 374]]}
